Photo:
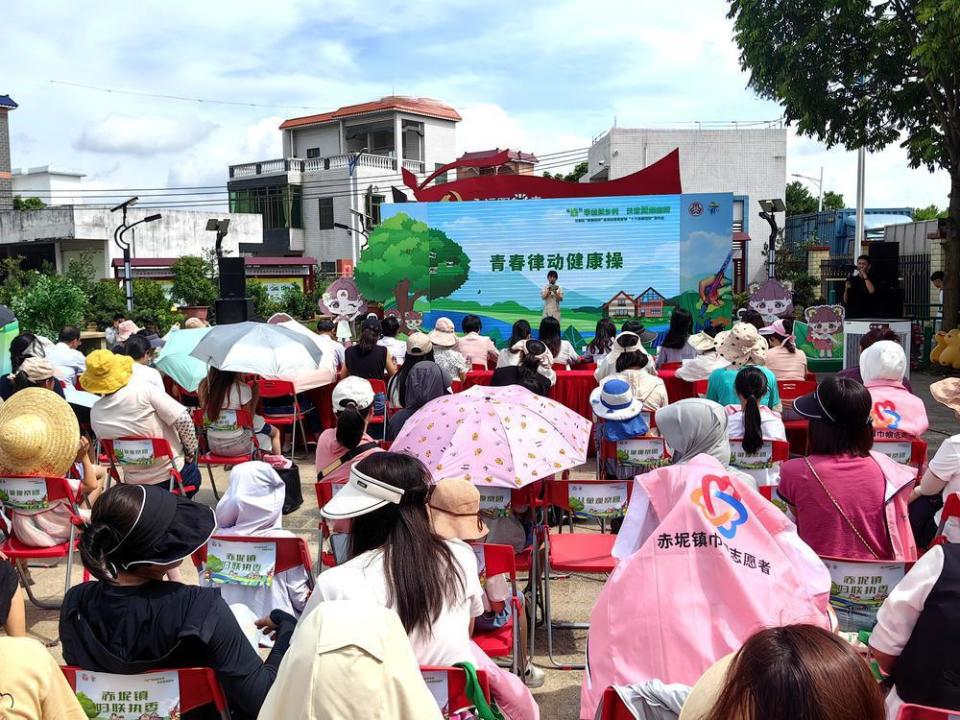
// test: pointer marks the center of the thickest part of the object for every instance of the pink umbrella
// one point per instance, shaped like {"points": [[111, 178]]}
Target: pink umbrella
{"points": [[495, 436]]}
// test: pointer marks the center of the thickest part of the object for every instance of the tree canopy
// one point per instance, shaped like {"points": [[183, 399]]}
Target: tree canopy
{"points": [[800, 200], [930, 212], [30, 203], [579, 170]]}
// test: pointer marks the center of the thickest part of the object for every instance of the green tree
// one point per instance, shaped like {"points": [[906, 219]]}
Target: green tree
{"points": [[833, 201], [16, 280], [152, 305], [865, 74], [49, 304], [106, 300], [82, 272], [930, 212], [799, 201], [407, 260], [30, 203], [193, 281], [579, 170]]}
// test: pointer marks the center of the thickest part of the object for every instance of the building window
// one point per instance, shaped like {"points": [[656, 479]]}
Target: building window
{"points": [[738, 215], [326, 213], [442, 177], [313, 153], [279, 206], [373, 203]]}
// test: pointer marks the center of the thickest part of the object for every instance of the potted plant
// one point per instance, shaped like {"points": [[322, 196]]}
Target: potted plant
{"points": [[193, 286]]}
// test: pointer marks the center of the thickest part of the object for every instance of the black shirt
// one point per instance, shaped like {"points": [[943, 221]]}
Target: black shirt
{"points": [[371, 366], [860, 302], [511, 376], [158, 625], [9, 582]]}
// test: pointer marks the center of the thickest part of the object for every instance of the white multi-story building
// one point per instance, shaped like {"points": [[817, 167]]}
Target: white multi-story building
{"points": [[337, 169], [53, 186], [751, 163]]}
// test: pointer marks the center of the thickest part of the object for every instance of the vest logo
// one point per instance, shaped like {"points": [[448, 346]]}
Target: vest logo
{"points": [[720, 504]]}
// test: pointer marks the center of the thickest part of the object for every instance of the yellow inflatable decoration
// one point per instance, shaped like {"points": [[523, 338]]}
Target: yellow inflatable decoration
{"points": [[941, 340], [950, 355]]}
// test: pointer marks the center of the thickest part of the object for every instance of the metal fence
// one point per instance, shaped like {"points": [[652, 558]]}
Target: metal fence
{"points": [[915, 281]]}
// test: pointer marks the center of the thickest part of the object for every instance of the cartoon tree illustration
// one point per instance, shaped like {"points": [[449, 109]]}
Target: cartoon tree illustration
{"points": [[407, 260]]}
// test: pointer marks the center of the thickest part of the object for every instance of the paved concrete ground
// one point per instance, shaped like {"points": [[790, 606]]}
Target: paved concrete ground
{"points": [[559, 698]]}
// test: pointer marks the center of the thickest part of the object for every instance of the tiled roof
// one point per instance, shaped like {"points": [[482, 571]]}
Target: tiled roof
{"points": [[514, 155], [413, 105], [7, 102]]}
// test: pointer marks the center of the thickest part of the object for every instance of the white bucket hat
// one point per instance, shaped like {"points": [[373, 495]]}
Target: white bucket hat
{"points": [[614, 400]]}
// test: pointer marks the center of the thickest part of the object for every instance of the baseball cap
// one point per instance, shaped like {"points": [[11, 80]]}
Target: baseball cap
{"points": [[361, 495], [352, 388], [419, 343]]}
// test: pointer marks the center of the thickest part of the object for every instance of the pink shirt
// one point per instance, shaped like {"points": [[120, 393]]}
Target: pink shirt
{"points": [[858, 485], [477, 349], [328, 450], [786, 365]]}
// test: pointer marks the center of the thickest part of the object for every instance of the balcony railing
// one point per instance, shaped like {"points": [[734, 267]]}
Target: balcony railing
{"points": [[334, 162]]}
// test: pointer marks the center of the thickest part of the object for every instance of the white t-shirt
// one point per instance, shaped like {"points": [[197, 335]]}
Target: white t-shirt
{"points": [[363, 579], [771, 428], [397, 348], [67, 362], [567, 355], [333, 357], [946, 466], [899, 613], [147, 374], [140, 410]]}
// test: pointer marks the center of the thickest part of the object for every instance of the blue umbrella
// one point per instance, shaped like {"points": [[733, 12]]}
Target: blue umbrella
{"points": [[175, 359]]}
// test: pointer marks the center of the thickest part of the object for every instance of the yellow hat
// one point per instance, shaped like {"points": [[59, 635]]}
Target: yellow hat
{"points": [[39, 434], [106, 373]]}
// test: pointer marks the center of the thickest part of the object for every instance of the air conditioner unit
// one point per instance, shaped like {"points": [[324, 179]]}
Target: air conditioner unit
{"points": [[853, 330]]}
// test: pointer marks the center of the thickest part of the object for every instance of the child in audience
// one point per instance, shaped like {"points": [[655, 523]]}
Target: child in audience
{"points": [[223, 390], [700, 367], [476, 348], [751, 424]]}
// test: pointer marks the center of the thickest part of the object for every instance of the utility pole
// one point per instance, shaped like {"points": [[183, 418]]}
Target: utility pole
{"points": [[861, 179]]}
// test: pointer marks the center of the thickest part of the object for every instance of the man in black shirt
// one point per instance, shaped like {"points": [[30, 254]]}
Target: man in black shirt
{"points": [[859, 291]]}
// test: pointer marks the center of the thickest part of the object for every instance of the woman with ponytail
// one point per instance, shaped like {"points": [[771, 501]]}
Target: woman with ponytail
{"points": [[783, 360], [534, 371], [751, 423], [397, 561], [338, 448], [133, 621]]}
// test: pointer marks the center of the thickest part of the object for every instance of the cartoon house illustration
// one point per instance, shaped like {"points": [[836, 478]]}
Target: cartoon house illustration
{"points": [[650, 303], [620, 305]]}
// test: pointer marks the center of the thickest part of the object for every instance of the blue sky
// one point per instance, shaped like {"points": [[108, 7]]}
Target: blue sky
{"points": [[539, 76]]}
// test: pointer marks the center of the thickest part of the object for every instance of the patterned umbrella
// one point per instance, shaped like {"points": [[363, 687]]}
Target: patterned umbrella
{"points": [[495, 437]]}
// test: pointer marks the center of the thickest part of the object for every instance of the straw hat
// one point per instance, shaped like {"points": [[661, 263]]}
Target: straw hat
{"points": [[106, 373], [454, 509], [705, 693], [39, 434], [742, 345], [444, 334], [947, 392]]}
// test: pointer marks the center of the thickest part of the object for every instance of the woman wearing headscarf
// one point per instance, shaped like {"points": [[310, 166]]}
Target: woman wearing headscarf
{"points": [[350, 661], [894, 409], [252, 506], [692, 427], [425, 382]]}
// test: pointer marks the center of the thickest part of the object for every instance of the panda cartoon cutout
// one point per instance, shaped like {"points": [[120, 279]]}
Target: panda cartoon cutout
{"points": [[772, 299], [343, 300]]}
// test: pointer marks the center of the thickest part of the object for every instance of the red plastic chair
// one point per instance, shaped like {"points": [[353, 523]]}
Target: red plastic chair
{"points": [[208, 458], [160, 452], [922, 712], [774, 451], [503, 641], [478, 367], [292, 552], [325, 491], [582, 553], [54, 488], [198, 687], [951, 509], [456, 680], [700, 387], [271, 389], [379, 387], [612, 707], [797, 430]]}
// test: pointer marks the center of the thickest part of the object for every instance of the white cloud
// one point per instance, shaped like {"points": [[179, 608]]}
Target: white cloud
{"points": [[144, 136]]}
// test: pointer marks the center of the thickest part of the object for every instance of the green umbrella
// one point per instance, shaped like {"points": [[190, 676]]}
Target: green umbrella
{"points": [[9, 329], [176, 362]]}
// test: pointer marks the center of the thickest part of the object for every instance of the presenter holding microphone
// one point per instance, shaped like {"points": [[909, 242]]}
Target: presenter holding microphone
{"points": [[858, 293], [552, 294]]}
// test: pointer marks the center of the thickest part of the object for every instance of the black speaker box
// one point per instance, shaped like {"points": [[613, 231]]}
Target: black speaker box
{"points": [[233, 310], [233, 278]]}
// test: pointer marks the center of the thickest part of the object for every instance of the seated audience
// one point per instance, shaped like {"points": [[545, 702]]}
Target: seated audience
{"points": [[32, 686], [751, 317], [626, 341], [942, 476], [125, 330], [397, 562], [444, 339], [223, 390], [849, 502], [521, 331], [340, 447], [562, 350], [751, 424], [367, 359], [111, 331], [601, 344], [866, 340], [334, 357], [915, 639], [355, 663], [133, 621], [675, 348], [129, 409], [741, 346], [252, 507], [534, 370], [783, 359], [419, 350], [424, 382], [66, 357], [23, 346], [140, 349], [397, 348], [787, 673], [895, 409], [475, 348], [648, 389], [35, 372], [700, 367]]}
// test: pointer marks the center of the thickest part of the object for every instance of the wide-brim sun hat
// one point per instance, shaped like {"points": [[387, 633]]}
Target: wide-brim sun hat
{"points": [[39, 434], [614, 400], [361, 495], [168, 528], [126, 329], [947, 392], [742, 345], [444, 333], [106, 372], [352, 388], [454, 509]]}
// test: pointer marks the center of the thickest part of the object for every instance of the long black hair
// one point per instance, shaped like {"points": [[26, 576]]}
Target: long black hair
{"points": [[218, 386], [751, 386], [603, 337], [351, 422], [850, 433], [632, 360], [528, 371], [369, 335], [549, 334], [681, 325], [422, 574], [520, 331], [23, 346], [113, 517]]}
